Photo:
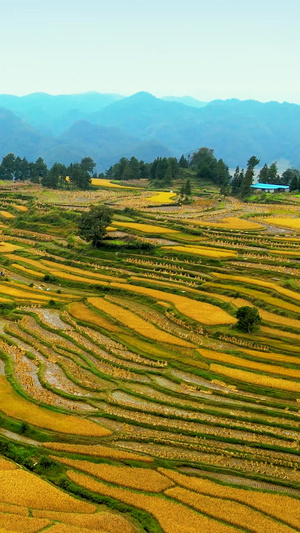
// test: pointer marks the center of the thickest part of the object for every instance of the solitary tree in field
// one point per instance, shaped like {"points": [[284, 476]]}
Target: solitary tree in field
{"points": [[93, 224], [248, 317]]}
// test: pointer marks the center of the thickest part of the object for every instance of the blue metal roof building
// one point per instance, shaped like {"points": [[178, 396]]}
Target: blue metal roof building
{"points": [[270, 187]]}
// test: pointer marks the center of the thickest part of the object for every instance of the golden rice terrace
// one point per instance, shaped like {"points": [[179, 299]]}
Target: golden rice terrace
{"points": [[129, 400]]}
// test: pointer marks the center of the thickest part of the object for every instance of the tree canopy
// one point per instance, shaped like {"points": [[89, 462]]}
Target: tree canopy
{"points": [[93, 224], [248, 318]]}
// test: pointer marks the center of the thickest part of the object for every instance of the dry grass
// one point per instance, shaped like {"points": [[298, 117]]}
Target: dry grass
{"points": [[97, 450], [135, 478], [256, 379], [136, 323], [82, 312], [18, 407], [202, 250], [172, 517], [162, 198], [200, 311], [229, 511], [23, 488], [279, 506], [145, 228], [103, 521]]}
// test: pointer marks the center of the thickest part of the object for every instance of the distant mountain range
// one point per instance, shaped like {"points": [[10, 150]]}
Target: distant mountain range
{"points": [[66, 128]]}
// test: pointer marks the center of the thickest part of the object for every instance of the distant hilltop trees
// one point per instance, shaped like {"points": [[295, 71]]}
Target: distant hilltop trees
{"points": [[200, 166]]}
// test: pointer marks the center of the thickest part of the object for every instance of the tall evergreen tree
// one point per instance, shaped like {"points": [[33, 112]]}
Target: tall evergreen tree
{"points": [[295, 184], [7, 167], [135, 170], [273, 176], [205, 164], [236, 181], [40, 169], [247, 180], [288, 175], [56, 177], [263, 174], [183, 162], [144, 170], [222, 174]]}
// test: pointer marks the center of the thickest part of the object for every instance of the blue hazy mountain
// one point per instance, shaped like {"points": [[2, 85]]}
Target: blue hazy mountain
{"points": [[53, 114], [186, 100], [106, 126], [82, 139]]}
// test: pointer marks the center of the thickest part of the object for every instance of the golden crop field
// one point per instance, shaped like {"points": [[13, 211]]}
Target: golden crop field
{"points": [[136, 323], [25, 489], [7, 215], [173, 517], [145, 228], [82, 312], [229, 511], [246, 363], [98, 451], [18, 407], [135, 478], [98, 182], [103, 521], [281, 290], [6, 247], [21, 208], [232, 223], [287, 222], [274, 301], [28, 270], [162, 198], [202, 250], [276, 505], [130, 397], [199, 311], [67, 268], [256, 379], [6, 465]]}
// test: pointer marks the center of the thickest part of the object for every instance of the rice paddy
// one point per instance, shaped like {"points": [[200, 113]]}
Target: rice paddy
{"points": [[162, 198], [129, 399], [202, 250], [230, 223]]}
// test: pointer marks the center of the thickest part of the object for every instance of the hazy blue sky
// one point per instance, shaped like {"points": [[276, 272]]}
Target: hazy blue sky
{"points": [[205, 48]]}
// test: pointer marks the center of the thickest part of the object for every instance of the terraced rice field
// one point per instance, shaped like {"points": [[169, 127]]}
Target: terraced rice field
{"points": [[230, 223], [162, 198], [129, 400]]}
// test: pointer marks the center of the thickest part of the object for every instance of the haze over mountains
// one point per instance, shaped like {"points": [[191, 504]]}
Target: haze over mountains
{"points": [[66, 128]]}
